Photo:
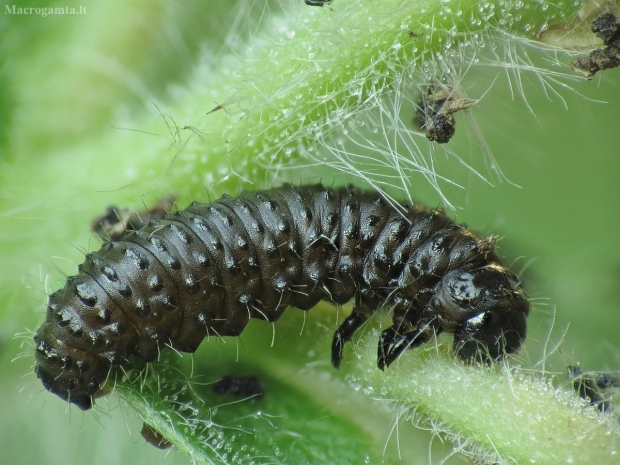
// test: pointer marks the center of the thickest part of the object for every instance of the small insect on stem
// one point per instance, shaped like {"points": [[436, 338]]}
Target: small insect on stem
{"points": [[317, 2], [116, 221], [240, 386], [592, 386], [210, 268], [218, 107], [154, 437]]}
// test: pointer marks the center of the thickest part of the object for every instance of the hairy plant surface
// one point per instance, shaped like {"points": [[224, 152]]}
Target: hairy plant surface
{"points": [[134, 102]]}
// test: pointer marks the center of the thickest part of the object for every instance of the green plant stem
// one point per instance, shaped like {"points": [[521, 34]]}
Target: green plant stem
{"points": [[510, 416]]}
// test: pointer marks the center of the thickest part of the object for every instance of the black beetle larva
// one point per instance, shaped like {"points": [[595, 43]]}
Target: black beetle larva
{"points": [[209, 268]]}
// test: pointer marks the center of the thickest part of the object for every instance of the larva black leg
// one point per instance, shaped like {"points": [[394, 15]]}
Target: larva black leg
{"points": [[387, 338], [344, 334], [421, 335], [317, 2]]}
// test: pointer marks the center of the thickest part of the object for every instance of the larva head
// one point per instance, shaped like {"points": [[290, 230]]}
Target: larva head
{"points": [[491, 335], [68, 354], [489, 308]]}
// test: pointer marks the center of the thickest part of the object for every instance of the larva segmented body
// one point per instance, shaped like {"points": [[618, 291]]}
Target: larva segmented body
{"points": [[210, 268]]}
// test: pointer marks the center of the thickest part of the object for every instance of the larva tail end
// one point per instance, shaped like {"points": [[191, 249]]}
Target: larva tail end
{"points": [[62, 389], [72, 381]]}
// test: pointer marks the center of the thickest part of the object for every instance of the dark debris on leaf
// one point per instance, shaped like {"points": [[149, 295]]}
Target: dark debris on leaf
{"points": [[435, 113], [607, 28]]}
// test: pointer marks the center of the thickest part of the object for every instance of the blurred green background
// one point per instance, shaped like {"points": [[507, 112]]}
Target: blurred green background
{"points": [[63, 78]]}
